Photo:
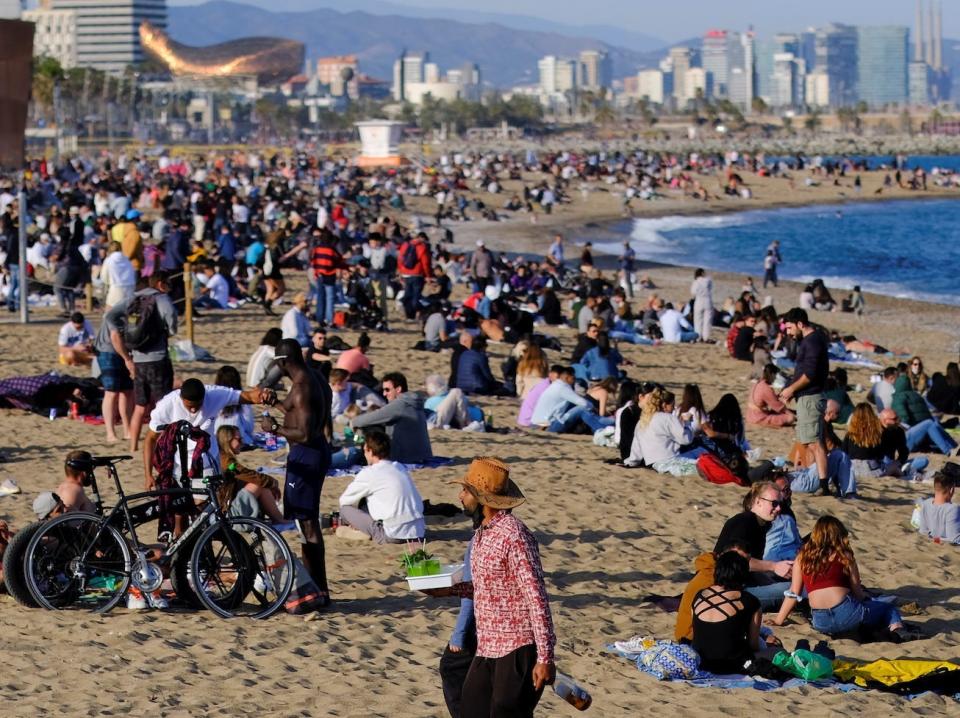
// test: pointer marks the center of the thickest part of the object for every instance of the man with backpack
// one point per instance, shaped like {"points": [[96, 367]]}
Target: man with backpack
{"points": [[140, 328], [414, 267]]}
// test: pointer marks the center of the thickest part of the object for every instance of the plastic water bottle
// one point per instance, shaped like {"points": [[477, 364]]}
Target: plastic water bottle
{"points": [[567, 688], [270, 444]]}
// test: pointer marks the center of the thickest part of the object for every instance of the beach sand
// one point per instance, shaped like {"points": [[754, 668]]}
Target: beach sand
{"points": [[608, 537]]}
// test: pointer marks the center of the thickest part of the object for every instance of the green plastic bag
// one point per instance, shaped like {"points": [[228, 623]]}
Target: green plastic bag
{"points": [[804, 664]]}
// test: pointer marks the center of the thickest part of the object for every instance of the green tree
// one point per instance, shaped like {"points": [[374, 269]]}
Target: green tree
{"points": [[759, 105], [813, 121]]}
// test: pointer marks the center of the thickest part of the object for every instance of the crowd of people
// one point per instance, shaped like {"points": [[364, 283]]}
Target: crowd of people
{"points": [[243, 226]]}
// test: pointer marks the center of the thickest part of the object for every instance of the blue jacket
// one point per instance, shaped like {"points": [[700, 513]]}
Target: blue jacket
{"points": [[474, 375], [601, 367]]}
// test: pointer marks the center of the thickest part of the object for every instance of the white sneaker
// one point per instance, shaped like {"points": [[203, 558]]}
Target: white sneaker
{"points": [[136, 602], [157, 601]]}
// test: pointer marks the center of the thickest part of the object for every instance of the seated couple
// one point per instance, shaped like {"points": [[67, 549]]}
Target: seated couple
{"points": [[554, 405], [877, 445], [404, 420], [661, 440], [382, 502]]}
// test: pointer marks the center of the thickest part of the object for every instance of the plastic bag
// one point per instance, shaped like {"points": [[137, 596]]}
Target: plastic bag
{"points": [[804, 664], [669, 661]]}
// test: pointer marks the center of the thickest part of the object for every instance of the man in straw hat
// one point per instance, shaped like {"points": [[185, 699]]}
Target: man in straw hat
{"points": [[515, 638]]}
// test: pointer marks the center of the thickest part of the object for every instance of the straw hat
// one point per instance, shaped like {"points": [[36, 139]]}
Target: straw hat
{"points": [[488, 478]]}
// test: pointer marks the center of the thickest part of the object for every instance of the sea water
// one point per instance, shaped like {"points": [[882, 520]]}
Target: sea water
{"points": [[903, 248]]}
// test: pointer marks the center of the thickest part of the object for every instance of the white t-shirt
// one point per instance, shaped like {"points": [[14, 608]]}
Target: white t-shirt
{"points": [[170, 409], [259, 363], [219, 290], [70, 336], [391, 496]]}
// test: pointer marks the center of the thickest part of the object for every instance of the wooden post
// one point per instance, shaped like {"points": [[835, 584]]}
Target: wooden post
{"points": [[88, 291], [188, 298]]}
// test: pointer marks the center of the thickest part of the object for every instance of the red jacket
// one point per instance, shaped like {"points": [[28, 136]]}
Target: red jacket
{"points": [[422, 267]]}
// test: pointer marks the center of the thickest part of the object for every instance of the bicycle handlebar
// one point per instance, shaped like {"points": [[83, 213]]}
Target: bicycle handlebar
{"points": [[109, 460]]}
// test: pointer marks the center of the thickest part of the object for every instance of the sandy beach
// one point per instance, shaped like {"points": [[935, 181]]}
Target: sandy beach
{"points": [[609, 536]]}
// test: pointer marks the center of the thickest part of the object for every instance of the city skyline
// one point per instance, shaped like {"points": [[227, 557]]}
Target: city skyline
{"points": [[668, 22]]}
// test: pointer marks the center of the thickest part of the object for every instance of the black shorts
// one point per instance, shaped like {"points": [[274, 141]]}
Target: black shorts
{"points": [[152, 380], [306, 468]]}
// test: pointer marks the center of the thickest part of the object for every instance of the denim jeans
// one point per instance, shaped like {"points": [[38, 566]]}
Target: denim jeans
{"points": [[632, 337], [771, 595], [688, 336], [579, 413], [13, 299], [807, 481], [850, 613], [412, 291], [326, 299], [930, 429], [344, 458]]}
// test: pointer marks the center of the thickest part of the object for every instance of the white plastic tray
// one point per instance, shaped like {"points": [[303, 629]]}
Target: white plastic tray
{"points": [[450, 575]]}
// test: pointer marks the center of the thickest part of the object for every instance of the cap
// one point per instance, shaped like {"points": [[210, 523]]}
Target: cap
{"points": [[45, 504], [480, 243], [132, 214]]}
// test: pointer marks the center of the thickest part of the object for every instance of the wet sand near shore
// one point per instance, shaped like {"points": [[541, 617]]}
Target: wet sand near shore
{"points": [[609, 536]]}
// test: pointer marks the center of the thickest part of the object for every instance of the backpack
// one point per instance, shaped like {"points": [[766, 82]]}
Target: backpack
{"points": [[144, 323], [409, 258]]}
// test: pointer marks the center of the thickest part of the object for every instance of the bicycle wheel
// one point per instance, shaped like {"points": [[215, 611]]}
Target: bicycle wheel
{"points": [[13, 565], [242, 567], [76, 561]]}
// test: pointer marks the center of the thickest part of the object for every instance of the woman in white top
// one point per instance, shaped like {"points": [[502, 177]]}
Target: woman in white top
{"points": [[260, 361], [118, 276], [661, 436]]}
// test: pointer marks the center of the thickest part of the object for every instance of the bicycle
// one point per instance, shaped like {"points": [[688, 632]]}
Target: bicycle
{"points": [[233, 566]]}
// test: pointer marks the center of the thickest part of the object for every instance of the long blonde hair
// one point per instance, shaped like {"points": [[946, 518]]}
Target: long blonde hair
{"points": [[865, 428], [828, 542], [224, 436], [651, 406], [533, 362]]}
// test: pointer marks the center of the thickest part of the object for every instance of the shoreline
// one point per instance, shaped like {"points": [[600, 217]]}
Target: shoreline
{"points": [[580, 222]]}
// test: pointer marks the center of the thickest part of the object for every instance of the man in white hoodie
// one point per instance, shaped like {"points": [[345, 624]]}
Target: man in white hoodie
{"points": [[394, 508]]}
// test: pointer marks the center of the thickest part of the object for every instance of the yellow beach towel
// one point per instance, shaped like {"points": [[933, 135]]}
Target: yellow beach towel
{"points": [[887, 672]]}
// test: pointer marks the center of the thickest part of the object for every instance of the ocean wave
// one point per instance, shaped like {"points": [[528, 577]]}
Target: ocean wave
{"points": [[889, 289]]}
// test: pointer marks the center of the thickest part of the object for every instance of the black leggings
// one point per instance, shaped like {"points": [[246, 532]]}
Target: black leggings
{"points": [[501, 687]]}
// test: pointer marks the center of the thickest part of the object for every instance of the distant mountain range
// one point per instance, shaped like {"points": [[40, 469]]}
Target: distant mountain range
{"points": [[611, 35], [507, 55]]}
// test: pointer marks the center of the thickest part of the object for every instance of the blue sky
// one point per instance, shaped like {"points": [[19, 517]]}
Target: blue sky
{"points": [[670, 19]]}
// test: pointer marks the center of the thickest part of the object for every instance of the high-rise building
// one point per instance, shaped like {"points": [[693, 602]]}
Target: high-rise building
{"points": [[331, 71], [108, 31], [817, 89], [699, 84], [409, 68], [837, 57], [557, 75], [919, 83], [596, 70], [882, 54], [743, 75], [788, 81], [651, 86], [681, 60], [54, 35], [717, 59], [779, 44]]}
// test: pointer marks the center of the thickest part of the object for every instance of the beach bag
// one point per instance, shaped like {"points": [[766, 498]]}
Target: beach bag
{"points": [[669, 661], [144, 323], [714, 470], [804, 664]]}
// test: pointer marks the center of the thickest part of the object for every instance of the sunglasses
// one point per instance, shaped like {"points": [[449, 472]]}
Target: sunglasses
{"points": [[774, 503]]}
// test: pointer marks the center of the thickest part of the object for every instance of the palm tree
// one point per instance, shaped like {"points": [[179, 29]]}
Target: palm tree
{"points": [[813, 121]]}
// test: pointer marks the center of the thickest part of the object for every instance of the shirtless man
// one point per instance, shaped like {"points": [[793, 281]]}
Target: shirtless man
{"points": [[305, 422], [76, 468]]}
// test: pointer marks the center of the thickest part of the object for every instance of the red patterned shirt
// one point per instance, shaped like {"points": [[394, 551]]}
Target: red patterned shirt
{"points": [[509, 598]]}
